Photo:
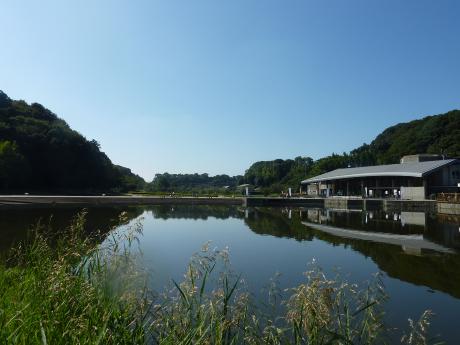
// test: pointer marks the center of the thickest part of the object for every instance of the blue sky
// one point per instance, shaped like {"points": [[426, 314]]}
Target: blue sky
{"points": [[212, 86]]}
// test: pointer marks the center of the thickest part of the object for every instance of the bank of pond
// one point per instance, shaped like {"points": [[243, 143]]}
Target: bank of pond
{"points": [[197, 274]]}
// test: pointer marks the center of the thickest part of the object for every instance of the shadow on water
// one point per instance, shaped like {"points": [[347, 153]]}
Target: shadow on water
{"points": [[15, 223]]}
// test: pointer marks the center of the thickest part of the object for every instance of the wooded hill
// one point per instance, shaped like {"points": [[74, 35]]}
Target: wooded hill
{"points": [[193, 183], [40, 153], [439, 134]]}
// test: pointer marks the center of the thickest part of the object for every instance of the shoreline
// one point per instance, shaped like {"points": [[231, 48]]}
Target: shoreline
{"points": [[54, 200], [431, 206]]}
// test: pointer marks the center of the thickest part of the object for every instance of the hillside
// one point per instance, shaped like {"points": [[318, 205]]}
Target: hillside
{"points": [[192, 183], [432, 134], [39, 152]]}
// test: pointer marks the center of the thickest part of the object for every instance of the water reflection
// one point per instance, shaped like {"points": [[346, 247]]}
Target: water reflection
{"points": [[195, 212], [436, 232], [264, 241], [411, 246], [387, 238], [15, 223]]}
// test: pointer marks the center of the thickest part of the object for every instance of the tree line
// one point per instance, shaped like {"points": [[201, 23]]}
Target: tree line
{"points": [[193, 183], [39, 152], [437, 134]]}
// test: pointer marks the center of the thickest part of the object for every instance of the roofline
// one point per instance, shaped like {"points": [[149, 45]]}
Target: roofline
{"points": [[405, 174], [377, 174], [451, 161]]}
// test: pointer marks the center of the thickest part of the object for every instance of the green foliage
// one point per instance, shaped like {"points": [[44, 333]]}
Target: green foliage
{"points": [[192, 183], [40, 152], [60, 291], [129, 181], [438, 134], [71, 290], [12, 165]]}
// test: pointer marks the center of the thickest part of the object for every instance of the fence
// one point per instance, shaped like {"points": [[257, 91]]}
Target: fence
{"points": [[449, 197]]}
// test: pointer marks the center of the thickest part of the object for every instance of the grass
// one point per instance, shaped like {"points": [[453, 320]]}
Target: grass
{"points": [[69, 289]]}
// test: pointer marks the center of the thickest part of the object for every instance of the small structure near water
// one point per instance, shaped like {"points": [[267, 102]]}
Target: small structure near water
{"points": [[417, 177]]}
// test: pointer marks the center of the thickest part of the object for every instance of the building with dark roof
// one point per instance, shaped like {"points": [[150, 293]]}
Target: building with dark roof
{"points": [[416, 177]]}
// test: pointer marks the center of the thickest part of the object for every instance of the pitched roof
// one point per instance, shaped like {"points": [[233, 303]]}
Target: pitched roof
{"points": [[412, 169]]}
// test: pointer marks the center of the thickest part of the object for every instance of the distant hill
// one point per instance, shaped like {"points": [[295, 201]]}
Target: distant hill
{"points": [[432, 134], [39, 152], [192, 183]]}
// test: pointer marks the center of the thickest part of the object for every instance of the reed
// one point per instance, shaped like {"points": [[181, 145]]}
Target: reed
{"points": [[73, 289]]}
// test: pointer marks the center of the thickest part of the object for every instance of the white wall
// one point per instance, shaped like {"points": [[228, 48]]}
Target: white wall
{"points": [[413, 193]]}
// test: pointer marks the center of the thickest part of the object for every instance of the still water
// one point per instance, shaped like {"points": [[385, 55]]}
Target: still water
{"points": [[417, 253]]}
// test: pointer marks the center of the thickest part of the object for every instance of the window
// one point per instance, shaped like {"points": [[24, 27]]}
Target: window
{"points": [[456, 174]]}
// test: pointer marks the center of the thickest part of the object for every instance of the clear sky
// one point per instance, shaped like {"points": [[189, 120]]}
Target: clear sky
{"points": [[212, 86]]}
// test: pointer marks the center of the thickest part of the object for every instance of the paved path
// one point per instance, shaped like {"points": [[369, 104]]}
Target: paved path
{"points": [[36, 200]]}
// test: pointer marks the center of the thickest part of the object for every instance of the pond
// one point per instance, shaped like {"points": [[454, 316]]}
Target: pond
{"points": [[417, 253]]}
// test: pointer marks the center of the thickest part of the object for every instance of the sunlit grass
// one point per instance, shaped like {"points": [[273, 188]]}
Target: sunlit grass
{"points": [[69, 289]]}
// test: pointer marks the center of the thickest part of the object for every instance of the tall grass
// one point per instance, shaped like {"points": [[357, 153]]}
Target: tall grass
{"points": [[55, 291], [69, 289]]}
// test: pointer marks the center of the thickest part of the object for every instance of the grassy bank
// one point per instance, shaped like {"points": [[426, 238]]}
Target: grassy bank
{"points": [[70, 289]]}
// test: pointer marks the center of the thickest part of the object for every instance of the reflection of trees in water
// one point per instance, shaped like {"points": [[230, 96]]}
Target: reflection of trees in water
{"points": [[437, 271], [202, 212], [274, 222], [15, 223], [444, 229]]}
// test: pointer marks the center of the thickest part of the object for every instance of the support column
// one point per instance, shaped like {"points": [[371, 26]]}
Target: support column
{"points": [[348, 188]]}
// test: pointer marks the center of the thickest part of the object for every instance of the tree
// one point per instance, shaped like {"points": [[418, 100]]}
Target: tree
{"points": [[57, 158], [12, 166]]}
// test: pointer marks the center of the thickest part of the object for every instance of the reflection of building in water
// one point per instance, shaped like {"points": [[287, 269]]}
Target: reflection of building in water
{"points": [[411, 244], [415, 218], [322, 216], [412, 251], [444, 230]]}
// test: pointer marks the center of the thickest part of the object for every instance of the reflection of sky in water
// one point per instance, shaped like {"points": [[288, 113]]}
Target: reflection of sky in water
{"points": [[168, 245], [265, 241]]}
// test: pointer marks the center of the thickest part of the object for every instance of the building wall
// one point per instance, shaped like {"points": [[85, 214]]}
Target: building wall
{"points": [[312, 189], [454, 175], [413, 193], [415, 188], [445, 180]]}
